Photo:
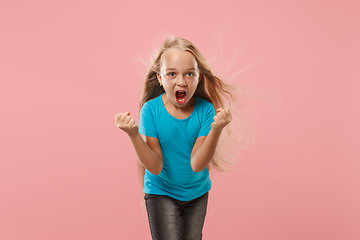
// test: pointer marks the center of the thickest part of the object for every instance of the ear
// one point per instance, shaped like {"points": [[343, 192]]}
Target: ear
{"points": [[158, 76]]}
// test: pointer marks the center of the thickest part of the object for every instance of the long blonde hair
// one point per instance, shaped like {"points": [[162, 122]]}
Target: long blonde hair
{"points": [[210, 87]]}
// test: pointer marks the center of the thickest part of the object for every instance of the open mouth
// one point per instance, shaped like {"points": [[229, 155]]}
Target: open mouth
{"points": [[180, 96]]}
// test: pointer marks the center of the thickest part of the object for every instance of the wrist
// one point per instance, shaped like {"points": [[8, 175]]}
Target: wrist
{"points": [[217, 129], [133, 134]]}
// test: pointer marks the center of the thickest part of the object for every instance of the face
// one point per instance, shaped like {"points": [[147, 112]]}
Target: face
{"points": [[179, 75]]}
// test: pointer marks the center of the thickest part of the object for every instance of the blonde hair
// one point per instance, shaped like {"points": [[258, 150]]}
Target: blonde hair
{"points": [[210, 87]]}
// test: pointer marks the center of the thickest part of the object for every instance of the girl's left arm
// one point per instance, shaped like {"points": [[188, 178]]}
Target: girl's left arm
{"points": [[204, 148]]}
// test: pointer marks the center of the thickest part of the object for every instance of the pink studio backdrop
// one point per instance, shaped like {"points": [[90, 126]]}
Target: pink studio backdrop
{"points": [[67, 67]]}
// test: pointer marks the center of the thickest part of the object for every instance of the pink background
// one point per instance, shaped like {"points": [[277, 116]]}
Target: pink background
{"points": [[67, 67]]}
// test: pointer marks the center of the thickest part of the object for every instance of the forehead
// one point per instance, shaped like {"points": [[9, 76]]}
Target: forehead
{"points": [[177, 58]]}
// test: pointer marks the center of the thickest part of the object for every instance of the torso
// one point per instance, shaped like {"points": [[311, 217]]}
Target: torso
{"points": [[177, 131]]}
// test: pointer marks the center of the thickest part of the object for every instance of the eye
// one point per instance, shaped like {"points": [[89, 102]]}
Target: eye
{"points": [[171, 74], [192, 74]]}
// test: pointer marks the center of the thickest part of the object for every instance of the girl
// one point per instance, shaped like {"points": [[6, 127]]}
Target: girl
{"points": [[177, 137]]}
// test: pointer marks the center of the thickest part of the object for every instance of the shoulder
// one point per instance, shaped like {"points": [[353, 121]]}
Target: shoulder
{"points": [[204, 104], [152, 103], [152, 107]]}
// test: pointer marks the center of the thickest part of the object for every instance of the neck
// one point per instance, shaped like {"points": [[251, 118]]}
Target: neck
{"points": [[186, 108]]}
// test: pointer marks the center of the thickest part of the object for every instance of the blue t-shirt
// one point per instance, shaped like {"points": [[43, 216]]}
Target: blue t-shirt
{"points": [[177, 138]]}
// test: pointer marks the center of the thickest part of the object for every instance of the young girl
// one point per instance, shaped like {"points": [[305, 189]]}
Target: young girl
{"points": [[177, 137]]}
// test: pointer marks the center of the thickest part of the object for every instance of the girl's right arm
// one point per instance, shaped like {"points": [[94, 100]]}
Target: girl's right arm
{"points": [[147, 149]]}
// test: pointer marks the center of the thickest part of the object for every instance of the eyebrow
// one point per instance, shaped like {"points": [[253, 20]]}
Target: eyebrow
{"points": [[175, 69]]}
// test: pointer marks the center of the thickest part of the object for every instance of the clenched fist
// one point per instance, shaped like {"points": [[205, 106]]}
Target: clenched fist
{"points": [[221, 119], [126, 123]]}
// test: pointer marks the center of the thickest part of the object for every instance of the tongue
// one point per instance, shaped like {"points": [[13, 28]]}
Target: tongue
{"points": [[180, 94], [180, 97]]}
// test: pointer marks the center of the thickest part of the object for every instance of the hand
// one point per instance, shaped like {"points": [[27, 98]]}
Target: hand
{"points": [[126, 123], [221, 119]]}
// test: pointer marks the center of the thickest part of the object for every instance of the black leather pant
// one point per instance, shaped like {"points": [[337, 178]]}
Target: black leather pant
{"points": [[172, 219]]}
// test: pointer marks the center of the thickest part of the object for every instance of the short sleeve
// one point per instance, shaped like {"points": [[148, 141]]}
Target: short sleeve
{"points": [[207, 119], [147, 121]]}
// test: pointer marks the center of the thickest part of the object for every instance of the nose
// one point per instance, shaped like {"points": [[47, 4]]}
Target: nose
{"points": [[181, 81]]}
